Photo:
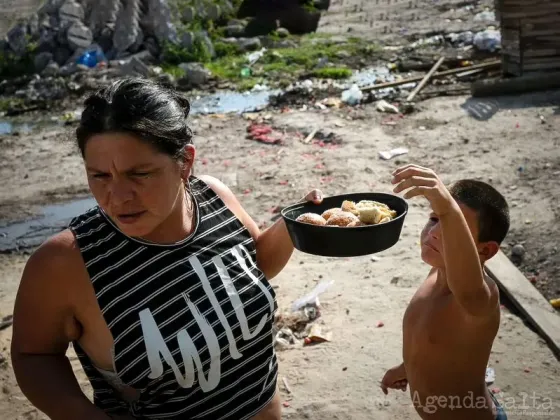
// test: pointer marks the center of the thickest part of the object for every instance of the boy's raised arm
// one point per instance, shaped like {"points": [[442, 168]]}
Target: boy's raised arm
{"points": [[462, 263]]}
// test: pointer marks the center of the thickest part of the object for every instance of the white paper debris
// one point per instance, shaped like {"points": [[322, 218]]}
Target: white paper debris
{"points": [[386, 155]]}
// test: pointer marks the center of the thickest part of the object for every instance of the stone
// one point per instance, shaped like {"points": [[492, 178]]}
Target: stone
{"points": [[151, 46], [17, 39], [235, 31], [188, 14], [79, 36], [104, 14], [127, 28], [42, 60], [249, 44], [518, 251], [135, 67], [195, 73], [283, 32], [187, 40], [105, 39], [51, 70], [33, 25], [62, 55], [68, 69], [159, 17], [71, 12], [204, 38], [51, 7], [322, 4], [213, 12], [261, 26]]}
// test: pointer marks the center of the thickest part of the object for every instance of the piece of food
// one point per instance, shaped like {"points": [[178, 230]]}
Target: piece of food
{"points": [[342, 219], [373, 212], [350, 207], [312, 219], [330, 212], [356, 224]]}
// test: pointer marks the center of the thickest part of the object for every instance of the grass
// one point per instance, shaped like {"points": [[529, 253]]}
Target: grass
{"points": [[277, 64]]}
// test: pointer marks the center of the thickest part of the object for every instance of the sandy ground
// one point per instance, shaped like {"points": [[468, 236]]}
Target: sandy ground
{"points": [[506, 144], [339, 380]]}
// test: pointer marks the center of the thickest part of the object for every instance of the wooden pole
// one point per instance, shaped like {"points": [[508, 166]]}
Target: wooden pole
{"points": [[425, 80], [437, 75]]}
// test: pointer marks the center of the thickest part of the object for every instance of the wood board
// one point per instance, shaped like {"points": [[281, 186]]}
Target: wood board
{"points": [[526, 298]]}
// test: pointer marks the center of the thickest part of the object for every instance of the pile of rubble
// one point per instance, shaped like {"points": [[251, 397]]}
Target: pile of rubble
{"points": [[65, 38]]}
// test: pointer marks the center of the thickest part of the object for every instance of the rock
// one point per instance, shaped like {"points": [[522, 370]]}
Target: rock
{"points": [[105, 39], [51, 70], [204, 38], [263, 25], [79, 36], [187, 40], [127, 27], [42, 60], [188, 14], [17, 39], [249, 44], [518, 251], [166, 79], [195, 73], [235, 31], [301, 22], [159, 18], [33, 26], [62, 55], [103, 14], [151, 46], [71, 12], [68, 69], [51, 6], [213, 12], [283, 32], [135, 67], [322, 4]]}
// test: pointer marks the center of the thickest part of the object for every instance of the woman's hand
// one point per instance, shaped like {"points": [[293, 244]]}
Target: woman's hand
{"points": [[315, 196]]}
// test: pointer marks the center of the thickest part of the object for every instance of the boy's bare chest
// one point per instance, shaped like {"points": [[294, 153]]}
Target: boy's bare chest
{"points": [[432, 319]]}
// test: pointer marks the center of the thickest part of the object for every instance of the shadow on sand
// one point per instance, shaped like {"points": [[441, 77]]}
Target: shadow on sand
{"points": [[483, 109]]}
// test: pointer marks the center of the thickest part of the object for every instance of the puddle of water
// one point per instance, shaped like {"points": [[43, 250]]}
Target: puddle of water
{"points": [[31, 233], [371, 76], [227, 102], [9, 127]]}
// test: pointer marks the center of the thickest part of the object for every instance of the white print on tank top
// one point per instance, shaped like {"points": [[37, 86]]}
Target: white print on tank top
{"points": [[155, 343]]}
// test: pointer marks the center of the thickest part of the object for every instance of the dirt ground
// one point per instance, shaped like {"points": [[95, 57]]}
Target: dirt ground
{"points": [[501, 141]]}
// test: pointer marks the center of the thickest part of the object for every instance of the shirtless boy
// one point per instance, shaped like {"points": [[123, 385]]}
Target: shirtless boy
{"points": [[452, 320]]}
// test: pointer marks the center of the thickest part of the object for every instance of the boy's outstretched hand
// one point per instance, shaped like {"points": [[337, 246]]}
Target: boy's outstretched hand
{"points": [[425, 182]]}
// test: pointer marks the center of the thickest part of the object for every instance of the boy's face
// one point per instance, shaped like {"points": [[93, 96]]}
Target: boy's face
{"points": [[432, 244]]}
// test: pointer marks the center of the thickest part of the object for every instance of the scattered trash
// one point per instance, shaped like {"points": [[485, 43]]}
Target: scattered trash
{"points": [[555, 303], [384, 106], [313, 297], [527, 370], [6, 322], [253, 57], [387, 155], [380, 324], [286, 386], [488, 40], [317, 334], [486, 16], [352, 96], [261, 133], [490, 375]]}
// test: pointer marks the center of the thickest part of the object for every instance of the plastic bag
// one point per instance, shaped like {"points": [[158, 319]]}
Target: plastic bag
{"points": [[312, 297]]}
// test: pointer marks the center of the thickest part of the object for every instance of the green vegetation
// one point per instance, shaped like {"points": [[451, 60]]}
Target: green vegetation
{"points": [[332, 73], [278, 65], [8, 104], [13, 66]]}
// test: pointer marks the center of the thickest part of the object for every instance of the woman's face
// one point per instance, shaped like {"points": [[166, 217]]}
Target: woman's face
{"points": [[136, 185]]}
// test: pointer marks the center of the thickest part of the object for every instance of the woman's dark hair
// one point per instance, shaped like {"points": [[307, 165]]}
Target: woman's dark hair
{"points": [[139, 107]]}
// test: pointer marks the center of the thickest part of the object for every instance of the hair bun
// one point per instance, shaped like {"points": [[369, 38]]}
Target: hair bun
{"points": [[184, 103]]}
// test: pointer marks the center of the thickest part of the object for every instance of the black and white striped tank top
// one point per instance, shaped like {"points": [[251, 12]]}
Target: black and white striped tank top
{"points": [[191, 322]]}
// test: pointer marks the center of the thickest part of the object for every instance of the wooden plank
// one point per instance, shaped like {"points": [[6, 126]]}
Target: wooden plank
{"points": [[425, 80], [526, 298]]}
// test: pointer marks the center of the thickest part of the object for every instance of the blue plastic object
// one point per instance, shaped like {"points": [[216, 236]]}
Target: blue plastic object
{"points": [[91, 58]]}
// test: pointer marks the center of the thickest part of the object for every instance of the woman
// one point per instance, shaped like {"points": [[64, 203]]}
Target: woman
{"points": [[162, 288]]}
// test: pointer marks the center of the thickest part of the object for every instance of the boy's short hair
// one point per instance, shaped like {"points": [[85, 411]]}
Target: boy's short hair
{"points": [[491, 207]]}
